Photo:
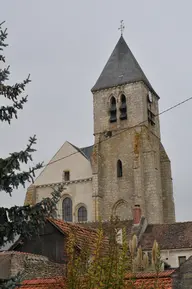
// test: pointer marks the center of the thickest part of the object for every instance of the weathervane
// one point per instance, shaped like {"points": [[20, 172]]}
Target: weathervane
{"points": [[122, 27]]}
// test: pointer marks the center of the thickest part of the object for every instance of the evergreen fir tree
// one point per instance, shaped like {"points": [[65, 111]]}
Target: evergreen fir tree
{"points": [[18, 220]]}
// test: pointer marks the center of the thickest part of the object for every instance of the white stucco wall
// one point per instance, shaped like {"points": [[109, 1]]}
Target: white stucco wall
{"points": [[76, 163], [171, 256], [80, 193], [79, 188]]}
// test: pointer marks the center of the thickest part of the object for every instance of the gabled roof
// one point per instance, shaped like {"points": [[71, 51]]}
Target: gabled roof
{"points": [[168, 236], [121, 68], [82, 234]]}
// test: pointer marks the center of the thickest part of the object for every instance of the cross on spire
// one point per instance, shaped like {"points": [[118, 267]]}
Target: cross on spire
{"points": [[122, 27]]}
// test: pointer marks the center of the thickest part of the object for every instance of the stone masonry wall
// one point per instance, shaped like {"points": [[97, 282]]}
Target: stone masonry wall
{"points": [[34, 266], [135, 102], [152, 178], [167, 187], [137, 146], [113, 190], [115, 193]]}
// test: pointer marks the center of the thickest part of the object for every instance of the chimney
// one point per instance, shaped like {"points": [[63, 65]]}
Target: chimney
{"points": [[136, 215]]}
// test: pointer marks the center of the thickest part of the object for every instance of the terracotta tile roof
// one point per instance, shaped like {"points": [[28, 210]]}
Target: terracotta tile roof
{"points": [[147, 280], [168, 236], [141, 275], [82, 234], [49, 283], [162, 283], [140, 280]]}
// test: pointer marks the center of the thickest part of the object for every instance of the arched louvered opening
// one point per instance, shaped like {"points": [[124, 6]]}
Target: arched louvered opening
{"points": [[82, 214], [119, 169], [113, 110], [67, 210], [123, 108]]}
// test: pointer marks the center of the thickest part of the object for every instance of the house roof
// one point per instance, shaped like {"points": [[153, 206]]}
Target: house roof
{"points": [[121, 68], [147, 280], [164, 234], [168, 236], [48, 283], [149, 283], [82, 234], [139, 280], [144, 275]]}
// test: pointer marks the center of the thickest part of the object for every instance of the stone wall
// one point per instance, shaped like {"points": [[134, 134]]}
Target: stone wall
{"points": [[30, 266], [167, 187], [152, 178], [137, 145]]}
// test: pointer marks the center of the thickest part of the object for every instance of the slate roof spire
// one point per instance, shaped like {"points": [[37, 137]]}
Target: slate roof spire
{"points": [[121, 68]]}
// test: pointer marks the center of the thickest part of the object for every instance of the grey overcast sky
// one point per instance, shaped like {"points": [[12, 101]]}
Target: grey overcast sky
{"points": [[64, 45]]}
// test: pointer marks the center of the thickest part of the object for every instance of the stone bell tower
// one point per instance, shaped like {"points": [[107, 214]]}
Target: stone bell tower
{"points": [[129, 163]]}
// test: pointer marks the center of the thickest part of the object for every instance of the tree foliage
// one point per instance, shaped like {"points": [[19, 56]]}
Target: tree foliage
{"points": [[18, 220], [109, 264]]}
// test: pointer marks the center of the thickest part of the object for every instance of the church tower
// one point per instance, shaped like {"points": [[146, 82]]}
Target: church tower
{"points": [[129, 163]]}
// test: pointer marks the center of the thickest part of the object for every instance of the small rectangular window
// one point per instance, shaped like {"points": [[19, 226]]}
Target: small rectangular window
{"points": [[181, 259], [66, 176]]}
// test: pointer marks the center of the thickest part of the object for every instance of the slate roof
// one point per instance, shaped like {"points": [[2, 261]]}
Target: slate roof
{"points": [[168, 236], [121, 68], [86, 151]]}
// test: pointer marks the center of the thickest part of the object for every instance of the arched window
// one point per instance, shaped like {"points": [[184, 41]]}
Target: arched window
{"points": [[82, 214], [67, 210], [123, 108], [119, 169], [113, 110]]}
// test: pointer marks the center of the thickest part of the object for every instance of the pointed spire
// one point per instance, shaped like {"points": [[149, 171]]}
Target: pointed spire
{"points": [[121, 68]]}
